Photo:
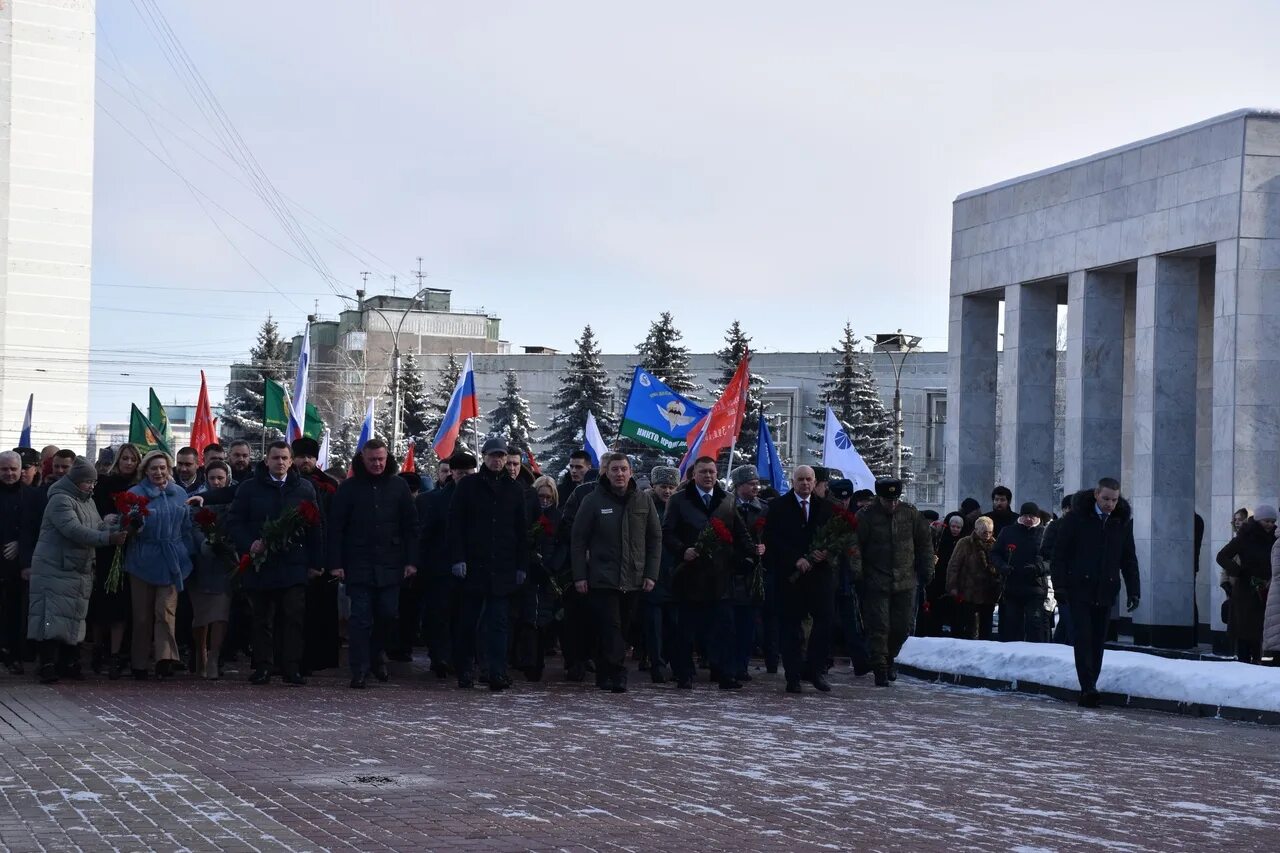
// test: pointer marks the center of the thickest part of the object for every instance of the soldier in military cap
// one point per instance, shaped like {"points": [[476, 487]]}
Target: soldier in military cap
{"points": [[894, 555]]}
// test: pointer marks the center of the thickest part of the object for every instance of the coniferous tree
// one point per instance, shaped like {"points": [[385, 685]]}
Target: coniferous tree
{"points": [[415, 406], [511, 418], [584, 387], [736, 345], [851, 391], [242, 409]]}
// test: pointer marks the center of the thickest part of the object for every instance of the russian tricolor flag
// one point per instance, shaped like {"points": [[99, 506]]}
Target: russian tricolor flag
{"points": [[463, 405], [298, 407]]}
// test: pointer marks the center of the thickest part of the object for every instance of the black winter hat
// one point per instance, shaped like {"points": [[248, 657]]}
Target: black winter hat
{"points": [[890, 489], [305, 447], [462, 461], [1029, 508]]}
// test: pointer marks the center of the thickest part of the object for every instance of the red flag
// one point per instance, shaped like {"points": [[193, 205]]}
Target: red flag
{"points": [[203, 430], [719, 428], [533, 464], [410, 465]]}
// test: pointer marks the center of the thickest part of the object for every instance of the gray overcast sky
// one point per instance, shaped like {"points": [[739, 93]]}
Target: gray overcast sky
{"points": [[788, 165]]}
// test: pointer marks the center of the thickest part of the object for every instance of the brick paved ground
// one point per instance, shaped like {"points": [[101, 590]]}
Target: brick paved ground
{"points": [[415, 765]]}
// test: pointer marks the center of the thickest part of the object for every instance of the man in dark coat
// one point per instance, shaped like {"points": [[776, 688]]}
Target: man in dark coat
{"points": [[617, 549], [805, 578], [489, 552], [373, 548], [894, 556], [1001, 508], [1016, 556], [701, 581], [443, 592], [322, 642], [21, 510], [1062, 633], [278, 586], [580, 471], [1093, 550], [745, 481]]}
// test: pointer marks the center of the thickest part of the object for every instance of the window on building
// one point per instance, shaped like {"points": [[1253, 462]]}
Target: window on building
{"points": [[780, 406], [937, 402]]}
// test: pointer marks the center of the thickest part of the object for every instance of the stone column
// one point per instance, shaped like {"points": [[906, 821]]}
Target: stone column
{"points": [[1163, 484], [971, 398], [1027, 382], [1094, 374]]}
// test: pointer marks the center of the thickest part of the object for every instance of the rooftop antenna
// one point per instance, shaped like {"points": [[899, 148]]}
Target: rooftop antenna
{"points": [[420, 275], [393, 285]]}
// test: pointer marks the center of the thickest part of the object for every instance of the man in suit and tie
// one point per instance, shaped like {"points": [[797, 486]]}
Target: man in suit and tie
{"points": [[806, 578]]}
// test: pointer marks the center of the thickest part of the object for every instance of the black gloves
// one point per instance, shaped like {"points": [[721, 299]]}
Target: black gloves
{"points": [[1131, 604]]}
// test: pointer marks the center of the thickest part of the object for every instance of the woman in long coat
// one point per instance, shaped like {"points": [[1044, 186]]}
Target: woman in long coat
{"points": [[62, 571], [1247, 561], [973, 582], [158, 562]]}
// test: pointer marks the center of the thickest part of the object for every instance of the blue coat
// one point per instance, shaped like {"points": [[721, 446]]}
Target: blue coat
{"points": [[160, 554]]}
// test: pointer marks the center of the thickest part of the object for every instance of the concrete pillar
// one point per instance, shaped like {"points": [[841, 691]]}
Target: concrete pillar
{"points": [[1094, 378], [1162, 487], [1246, 389], [1027, 383], [971, 398]]}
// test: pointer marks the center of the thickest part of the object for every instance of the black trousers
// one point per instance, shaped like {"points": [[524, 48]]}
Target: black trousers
{"points": [[1089, 628], [575, 629], [288, 606], [1022, 619], [443, 601], [611, 613], [13, 615], [973, 621], [488, 616], [712, 620], [813, 596]]}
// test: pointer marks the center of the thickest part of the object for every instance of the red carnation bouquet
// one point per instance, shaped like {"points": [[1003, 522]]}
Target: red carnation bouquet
{"points": [[837, 536], [281, 534], [714, 540], [133, 511], [207, 520]]}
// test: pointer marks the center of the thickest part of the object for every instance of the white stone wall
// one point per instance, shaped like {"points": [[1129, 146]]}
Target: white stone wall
{"points": [[46, 216]]}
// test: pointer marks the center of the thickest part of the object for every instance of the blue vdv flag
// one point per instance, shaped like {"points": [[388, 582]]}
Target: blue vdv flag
{"points": [[768, 463], [657, 416]]}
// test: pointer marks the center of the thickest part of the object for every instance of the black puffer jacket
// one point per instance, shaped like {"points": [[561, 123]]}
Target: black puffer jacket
{"points": [[259, 500], [489, 532], [1016, 556], [433, 515], [1090, 558], [373, 527]]}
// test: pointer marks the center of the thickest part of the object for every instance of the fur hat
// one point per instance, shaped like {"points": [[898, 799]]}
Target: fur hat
{"points": [[889, 489], [461, 460], [744, 474], [305, 447], [841, 489], [664, 475]]}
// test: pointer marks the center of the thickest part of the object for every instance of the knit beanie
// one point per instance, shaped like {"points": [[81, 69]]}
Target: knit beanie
{"points": [[82, 471]]}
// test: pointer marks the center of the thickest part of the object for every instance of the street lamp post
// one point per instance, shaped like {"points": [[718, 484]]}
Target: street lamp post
{"points": [[902, 345], [395, 362]]}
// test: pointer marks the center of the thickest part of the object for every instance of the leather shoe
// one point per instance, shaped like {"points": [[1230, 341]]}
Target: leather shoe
{"points": [[497, 685], [658, 674], [577, 672], [1089, 699], [684, 684], [821, 684], [730, 684], [793, 686], [359, 682], [893, 672], [48, 674], [618, 686], [380, 673], [260, 676], [860, 669], [294, 678], [466, 683], [882, 678]]}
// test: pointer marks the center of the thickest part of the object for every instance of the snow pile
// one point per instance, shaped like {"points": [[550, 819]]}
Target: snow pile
{"points": [[1235, 685]]}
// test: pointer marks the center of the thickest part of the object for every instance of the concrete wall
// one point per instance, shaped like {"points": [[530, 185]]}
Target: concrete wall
{"points": [[46, 216]]}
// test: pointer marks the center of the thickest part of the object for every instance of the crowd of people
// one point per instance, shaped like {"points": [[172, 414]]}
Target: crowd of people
{"points": [[176, 565]]}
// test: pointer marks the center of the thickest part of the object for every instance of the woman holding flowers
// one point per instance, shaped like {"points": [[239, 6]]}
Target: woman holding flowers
{"points": [[158, 560], [210, 582], [109, 611], [974, 582]]}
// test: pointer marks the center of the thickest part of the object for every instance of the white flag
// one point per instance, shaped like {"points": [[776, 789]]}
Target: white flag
{"points": [[838, 452], [594, 441], [323, 461]]}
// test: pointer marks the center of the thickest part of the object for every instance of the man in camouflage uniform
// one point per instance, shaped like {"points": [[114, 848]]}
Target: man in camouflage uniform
{"points": [[894, 554]]}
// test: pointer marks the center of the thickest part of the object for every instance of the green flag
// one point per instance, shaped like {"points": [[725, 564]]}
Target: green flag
{"points": [[159, 419], [275, 414], [143, 434], [314, 427]]}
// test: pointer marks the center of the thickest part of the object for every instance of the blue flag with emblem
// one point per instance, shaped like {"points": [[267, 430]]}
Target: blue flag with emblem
{"points": [[768, 463], [657, 416]]}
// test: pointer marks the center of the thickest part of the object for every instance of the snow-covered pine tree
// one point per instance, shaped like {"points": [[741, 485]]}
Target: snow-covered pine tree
{"points": [[242, 408], [414, 407], [511, 418], [736, 345], [438, 402], [851, 391], [584, 387], [662, 355]]}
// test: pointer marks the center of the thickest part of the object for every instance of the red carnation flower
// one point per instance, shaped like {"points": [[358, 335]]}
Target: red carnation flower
{"points": [[206, 517], [1012, 547], [245, 562], [548, 527], [722, 531], [758, 526], [310, 513]]}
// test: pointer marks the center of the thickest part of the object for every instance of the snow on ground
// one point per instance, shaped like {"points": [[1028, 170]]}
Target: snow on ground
{"points": [[1229, 684]]}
